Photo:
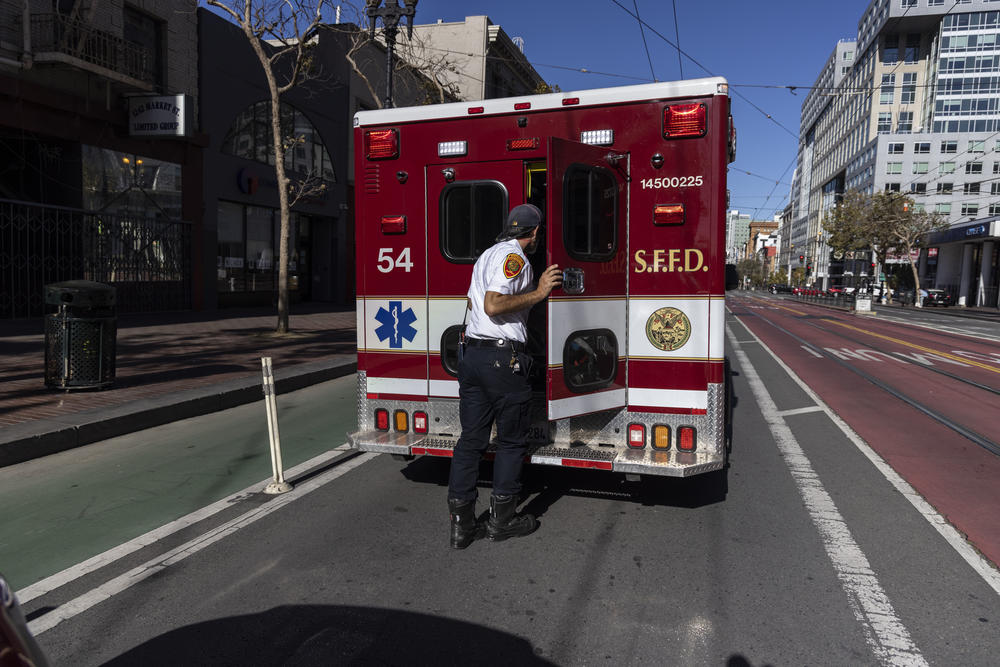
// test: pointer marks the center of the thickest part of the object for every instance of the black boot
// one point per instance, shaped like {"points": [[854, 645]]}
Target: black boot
{"points": [[505, 522], [464, 528]]}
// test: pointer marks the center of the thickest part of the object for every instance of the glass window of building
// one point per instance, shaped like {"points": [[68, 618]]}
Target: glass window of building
{"points": [[896, 149], [905, 4], [248, 246], [946, 168], [920, 167], [949, 146], [994, 209], [229, 264], [918, 188], [944, 188], [909, 91], [996, 167], [912, 53], [888, 89], [894, 167], [935, 3], [905, 123], [943, 208], [977, 146], [249, 137], [971, 210], [973, 167], [890, 49], [922, 147], [884, 122], [892, 187], [970, 189]]}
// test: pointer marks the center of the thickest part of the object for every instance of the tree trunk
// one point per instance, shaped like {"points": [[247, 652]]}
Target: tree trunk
{"points": [[916, 280]]}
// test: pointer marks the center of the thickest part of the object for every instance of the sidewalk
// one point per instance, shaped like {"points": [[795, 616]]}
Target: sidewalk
{"points": [[170, 366]]}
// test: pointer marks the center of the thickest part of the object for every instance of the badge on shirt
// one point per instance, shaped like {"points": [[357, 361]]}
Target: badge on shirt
{"points": [[513, 265]]}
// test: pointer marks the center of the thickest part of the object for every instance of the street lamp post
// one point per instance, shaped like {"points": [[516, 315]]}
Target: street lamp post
{"points": [[390, 13]]}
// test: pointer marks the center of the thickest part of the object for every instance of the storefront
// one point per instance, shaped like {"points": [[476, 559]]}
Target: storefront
{"points": [[967, 262]]}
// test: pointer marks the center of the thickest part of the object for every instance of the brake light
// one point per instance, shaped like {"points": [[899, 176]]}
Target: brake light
{"points": [[476, 109], [521, 106], [522, 144], [382, 419], [420, 422], [661, 436], [393, 224], [569, 101], [402, 421], [636, 436], [668, 214], [687, 439], [685, 120], [382, 144]]}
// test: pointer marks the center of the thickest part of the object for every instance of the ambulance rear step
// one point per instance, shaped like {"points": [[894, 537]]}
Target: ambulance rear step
{"points": [[636, 461]]}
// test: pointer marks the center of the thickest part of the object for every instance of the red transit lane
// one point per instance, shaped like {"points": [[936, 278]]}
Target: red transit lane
{"points": [[955, 474]]}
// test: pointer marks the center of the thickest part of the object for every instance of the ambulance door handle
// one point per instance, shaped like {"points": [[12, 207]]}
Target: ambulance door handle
{"points": [[572, 280]]}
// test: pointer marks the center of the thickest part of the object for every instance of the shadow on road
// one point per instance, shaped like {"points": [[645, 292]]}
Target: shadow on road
{"points": [[332, 635]]}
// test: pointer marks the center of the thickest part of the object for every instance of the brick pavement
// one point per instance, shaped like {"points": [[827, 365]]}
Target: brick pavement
{"points": [[164, 353]]}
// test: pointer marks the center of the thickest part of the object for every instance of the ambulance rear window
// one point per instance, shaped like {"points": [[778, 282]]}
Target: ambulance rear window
{"points": [[590, 213], [590, 359], [472, 215]]}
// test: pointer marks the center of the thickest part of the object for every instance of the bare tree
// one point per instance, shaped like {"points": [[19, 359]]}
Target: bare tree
{"points": [[422, 73], [885, 222], [282, 34]]}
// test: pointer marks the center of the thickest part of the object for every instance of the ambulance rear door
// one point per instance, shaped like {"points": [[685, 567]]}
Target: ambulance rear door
{"points": [[586, 220], [467, 203]]}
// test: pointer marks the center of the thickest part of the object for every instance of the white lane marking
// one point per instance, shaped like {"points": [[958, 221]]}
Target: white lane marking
{"points": [[807, 349], [977, 562], [122, 582], [938, 328], [799, 411], [74, 572], [886, 635]]}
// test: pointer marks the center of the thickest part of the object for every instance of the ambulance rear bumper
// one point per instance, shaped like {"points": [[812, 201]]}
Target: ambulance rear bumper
{"points": [[635, 461]]}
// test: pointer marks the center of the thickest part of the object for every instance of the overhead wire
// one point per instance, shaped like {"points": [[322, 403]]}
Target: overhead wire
{"points": [[677, 35], [642, 31]]}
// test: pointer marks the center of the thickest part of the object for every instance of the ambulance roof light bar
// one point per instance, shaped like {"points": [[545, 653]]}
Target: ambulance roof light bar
{"points": [[452, 148], [598, 137]]}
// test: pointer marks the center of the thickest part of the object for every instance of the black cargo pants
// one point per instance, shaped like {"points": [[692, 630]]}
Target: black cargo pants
{"points": [[490, 390]]}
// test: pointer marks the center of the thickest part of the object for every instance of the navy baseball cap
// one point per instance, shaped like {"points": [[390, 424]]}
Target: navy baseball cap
{"points": [[520, 221]]}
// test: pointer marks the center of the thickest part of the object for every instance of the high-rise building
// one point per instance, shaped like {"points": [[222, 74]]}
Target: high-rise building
{"points": [[911, 105]]}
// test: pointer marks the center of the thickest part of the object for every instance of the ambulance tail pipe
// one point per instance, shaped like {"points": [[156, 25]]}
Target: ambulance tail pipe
{"points": [[278, 484]]}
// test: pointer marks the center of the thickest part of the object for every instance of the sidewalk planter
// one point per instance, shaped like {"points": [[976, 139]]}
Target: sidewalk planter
{"points": [[863, 305], [80, 338]]}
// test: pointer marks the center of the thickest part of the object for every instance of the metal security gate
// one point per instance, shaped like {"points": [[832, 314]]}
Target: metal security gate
{"points": [[147, 260]]}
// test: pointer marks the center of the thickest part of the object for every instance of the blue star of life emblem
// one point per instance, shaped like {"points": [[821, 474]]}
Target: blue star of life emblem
{"points": [[396, 324]]}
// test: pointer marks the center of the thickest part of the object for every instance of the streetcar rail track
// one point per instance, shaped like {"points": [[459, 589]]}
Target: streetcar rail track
{"points": [[977, 438]]}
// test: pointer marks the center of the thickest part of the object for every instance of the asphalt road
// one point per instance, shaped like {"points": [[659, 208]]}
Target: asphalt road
{"points": [[803, 553]]}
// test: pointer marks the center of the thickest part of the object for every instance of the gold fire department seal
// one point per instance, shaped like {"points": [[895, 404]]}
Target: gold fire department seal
{"points": [[668, 329]]}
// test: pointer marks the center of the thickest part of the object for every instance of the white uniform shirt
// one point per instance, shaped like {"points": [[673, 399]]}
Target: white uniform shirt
{"points": [[503, 269]]}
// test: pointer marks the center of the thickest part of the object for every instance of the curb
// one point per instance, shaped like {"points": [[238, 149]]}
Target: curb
{"points": [[34, 439]]}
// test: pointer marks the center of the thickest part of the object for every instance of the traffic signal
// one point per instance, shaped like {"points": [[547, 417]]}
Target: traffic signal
{"points": [[809, 269], [801, 258], [872, 268]]}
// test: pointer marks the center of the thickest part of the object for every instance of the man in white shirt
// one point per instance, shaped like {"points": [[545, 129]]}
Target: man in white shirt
{"points": [[493, 380]]}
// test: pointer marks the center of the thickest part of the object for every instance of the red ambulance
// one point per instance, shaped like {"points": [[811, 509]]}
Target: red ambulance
{"points": [[630, 374]]}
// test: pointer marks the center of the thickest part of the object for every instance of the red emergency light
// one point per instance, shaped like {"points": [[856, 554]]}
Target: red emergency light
{"points": [[522, 144], [382, 144], [685, 120], [393, 224], [521, 106], [668, 214], [382, 419], [687, 438], [476, 110], [570, 101]]}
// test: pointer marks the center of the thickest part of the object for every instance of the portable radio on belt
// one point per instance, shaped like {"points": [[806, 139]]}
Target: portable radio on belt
{"points": [[461, 335]]}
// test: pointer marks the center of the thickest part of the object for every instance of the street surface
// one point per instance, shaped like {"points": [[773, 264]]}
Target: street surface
{"points": [[816, 547]]}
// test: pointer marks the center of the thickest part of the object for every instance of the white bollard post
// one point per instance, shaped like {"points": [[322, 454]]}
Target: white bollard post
{"points": [[278, 484]]}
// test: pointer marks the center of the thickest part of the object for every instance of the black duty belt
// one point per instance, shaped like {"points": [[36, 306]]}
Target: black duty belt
{"points": [[517, 345]]}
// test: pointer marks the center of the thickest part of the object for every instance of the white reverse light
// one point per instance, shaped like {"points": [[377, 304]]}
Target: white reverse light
{"points": [[598, 137], [447, 148]]}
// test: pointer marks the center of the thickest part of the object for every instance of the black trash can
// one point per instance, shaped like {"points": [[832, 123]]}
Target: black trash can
{"points": [[80, 337]]}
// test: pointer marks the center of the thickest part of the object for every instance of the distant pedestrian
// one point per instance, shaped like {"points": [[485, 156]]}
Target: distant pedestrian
{"points": [[493, 380]]}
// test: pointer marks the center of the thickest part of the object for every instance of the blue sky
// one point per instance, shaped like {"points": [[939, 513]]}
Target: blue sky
{"points": [[760, 47], [765, 43]]}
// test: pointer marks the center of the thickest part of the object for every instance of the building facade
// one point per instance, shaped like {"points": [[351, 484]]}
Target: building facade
{"points": [[911, 105], [100, 151]]}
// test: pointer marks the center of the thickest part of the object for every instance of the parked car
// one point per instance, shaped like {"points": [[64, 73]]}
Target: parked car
{"points": [[834, 291], [936, 297], [779, 289]]}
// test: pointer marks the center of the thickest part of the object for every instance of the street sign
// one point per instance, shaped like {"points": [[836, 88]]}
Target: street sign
{"points": [[881, 277]]}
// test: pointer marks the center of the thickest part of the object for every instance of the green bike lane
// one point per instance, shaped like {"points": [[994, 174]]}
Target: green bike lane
{"points": [[62, 509]]}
